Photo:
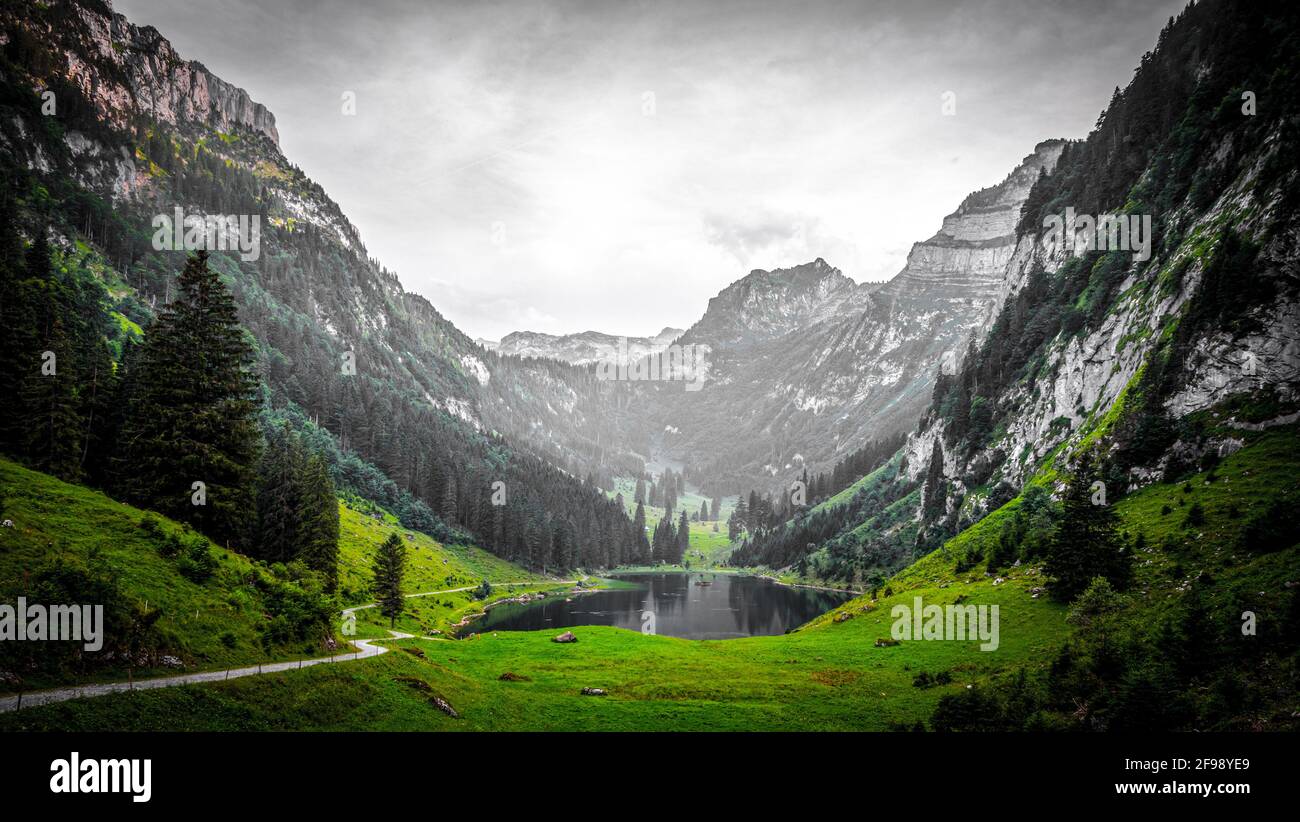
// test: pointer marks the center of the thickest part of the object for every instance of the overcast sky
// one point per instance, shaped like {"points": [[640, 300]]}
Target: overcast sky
{"points": [[561, 167]]}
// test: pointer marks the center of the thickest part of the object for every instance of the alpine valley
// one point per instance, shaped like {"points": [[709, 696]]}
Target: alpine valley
{"points": [[287, 457]]}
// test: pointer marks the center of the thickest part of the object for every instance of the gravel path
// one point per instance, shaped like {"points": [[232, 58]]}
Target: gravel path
{"points": [[365, 646]]}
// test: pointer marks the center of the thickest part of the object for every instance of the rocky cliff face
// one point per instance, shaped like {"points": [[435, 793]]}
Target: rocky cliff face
{"points": [[767, 305], [128, 70], [585, 348], [967, 258], [1086, 377], [806, 366]]}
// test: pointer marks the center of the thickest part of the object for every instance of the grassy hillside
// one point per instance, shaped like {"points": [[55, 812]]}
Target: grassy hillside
{"points": [[828, 675], [1236, 491], [230, 619], [245, 612], [431, 566]]}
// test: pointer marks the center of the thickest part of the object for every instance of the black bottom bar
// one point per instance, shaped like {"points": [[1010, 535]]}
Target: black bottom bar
{"points": [[270, 772]]}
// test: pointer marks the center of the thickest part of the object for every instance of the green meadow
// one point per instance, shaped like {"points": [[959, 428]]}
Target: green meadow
{"points": [[831, 674]]}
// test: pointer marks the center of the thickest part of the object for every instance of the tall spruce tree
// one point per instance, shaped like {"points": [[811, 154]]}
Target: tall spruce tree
{"points": [[52, 424], [318, 527], [1087, 543], [15, 328], [105, 467], [389, 570], [280, 495], [739, 521], [191, 419], [642, 542], [935, 493], [683, 538]]}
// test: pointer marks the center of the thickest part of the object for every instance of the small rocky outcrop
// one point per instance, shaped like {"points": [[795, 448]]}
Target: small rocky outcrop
{"points": [[567, 636], [444, 706]]}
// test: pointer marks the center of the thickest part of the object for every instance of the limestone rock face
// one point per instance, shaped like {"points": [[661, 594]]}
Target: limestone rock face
{"points": [[1085, 375], [968, 256], [1222, 365], [132, 69], [806, 365], [582, 349]]}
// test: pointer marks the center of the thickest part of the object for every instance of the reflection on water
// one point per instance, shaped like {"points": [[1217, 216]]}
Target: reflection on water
{"points": [[692, 606]]}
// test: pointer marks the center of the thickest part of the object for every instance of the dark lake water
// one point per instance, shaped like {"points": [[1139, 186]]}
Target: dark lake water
{"points": [[691, 605]]}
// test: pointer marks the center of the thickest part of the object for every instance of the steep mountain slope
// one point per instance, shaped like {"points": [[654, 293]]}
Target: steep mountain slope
{"points": [[1101, 345], [806, 366], [129, 131], [1163, 364]]}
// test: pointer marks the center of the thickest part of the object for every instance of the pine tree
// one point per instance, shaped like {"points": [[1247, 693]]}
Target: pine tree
{"points": [[935, 493], [279, 497], [16, 330], [638, 526], [122, 388], [192, 416], [52, 423], [448, 504], [739, 521], [683, 538], [1087, 543], [318, 528], [389, 569]]}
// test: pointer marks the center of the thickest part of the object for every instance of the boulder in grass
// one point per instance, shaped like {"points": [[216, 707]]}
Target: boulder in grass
{"points": [[444, 706], [567, 636], [594, 692]]}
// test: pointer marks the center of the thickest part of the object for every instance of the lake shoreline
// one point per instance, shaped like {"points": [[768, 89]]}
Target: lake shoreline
{"points": [[753, 605], [730, 572]]}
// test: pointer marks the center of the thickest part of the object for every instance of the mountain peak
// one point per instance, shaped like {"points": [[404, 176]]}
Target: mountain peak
{"points": [[764, 305]]}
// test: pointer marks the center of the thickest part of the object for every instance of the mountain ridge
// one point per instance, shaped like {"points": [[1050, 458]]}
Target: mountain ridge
{"points": [[585, 347], [821, 365]]}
